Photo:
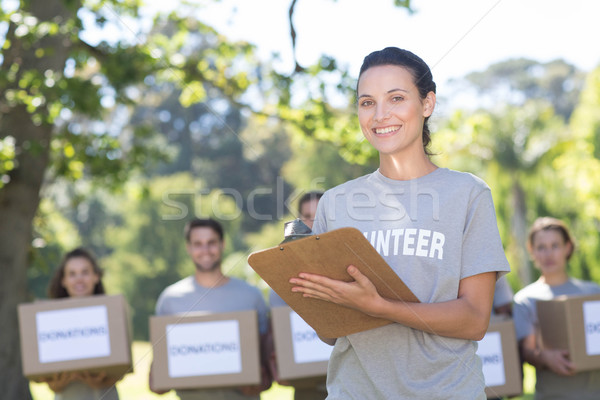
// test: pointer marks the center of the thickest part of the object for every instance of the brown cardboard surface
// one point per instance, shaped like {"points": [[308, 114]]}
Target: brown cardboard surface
{"points": [[562, 327], [329, 254], [118, 362], [510, 356], [288, 368], [249, 344]]}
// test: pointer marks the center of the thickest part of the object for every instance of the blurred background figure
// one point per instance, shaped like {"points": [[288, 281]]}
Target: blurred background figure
{"points": [[551, 245], [79, 276], [208, 289], [308, 388]]}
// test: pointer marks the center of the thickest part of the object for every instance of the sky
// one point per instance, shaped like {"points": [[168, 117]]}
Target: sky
{"points": [[454, 37]]}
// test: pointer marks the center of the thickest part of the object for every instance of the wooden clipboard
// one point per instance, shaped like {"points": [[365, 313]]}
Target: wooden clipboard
{"points": [[329, 254]]}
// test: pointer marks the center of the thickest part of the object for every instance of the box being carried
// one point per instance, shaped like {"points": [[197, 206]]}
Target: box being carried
{"points": [[75, 334], [201, 350], [300, 352], [572, 323], [500, 359]]}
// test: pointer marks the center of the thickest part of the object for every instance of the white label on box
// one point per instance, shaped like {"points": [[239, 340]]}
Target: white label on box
{"points": [[204, 348], [73, 334], [307, 345], [591, 321], [490, 352]]}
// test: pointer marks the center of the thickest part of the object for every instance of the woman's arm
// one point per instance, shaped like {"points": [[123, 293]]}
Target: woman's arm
{"points": [[555, 360], [467, 317]]}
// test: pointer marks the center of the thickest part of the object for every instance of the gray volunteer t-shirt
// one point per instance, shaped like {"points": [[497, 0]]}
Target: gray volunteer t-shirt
{"points": [[581, 386], [433, 231]]}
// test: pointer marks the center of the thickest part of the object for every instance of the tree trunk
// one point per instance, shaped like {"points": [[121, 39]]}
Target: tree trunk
{"points": [[19, 198], [519, 233]]}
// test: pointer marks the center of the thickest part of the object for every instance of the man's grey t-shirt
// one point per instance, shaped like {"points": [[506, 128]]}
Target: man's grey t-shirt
{"points": [[433, 231], [236, 295], [581, 386]]}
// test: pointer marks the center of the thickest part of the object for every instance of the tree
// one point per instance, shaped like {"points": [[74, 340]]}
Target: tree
{"points": [[509, 148], [578, 166], [515, 81]]}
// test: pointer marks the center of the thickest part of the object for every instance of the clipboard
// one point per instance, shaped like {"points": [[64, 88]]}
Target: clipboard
{"points": [[329, 254]]}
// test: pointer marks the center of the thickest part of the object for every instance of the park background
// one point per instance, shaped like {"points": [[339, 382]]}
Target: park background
{"points": [[120, 120]]}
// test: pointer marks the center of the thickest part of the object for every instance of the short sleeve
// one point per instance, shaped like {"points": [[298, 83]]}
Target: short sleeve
{"points": [[503, 294], [524, 317], [482, 249], [160, 308]]}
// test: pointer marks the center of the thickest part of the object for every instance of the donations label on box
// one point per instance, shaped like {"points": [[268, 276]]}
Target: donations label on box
{"points": [[306, 343], [490, 352], [591, 322], [299, 351], [204, 348], [500, 359], [73, 334]]}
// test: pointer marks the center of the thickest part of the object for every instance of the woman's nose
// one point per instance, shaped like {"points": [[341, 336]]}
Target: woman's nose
{"points": [[381, 113]]}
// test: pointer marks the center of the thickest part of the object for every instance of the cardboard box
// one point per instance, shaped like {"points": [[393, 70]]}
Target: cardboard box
{"points": [[75, 334], [300, 353], [500, 358], [201, 350], [329, 254], [572, 323]]}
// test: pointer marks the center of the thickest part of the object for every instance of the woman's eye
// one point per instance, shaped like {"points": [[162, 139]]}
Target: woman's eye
{"points": [[397, 98], [366, 103]]}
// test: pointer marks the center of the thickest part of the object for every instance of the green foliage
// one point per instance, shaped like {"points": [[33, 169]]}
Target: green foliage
{"points": [[54, 235], [148, 247], [7, 158], [516, 81]]}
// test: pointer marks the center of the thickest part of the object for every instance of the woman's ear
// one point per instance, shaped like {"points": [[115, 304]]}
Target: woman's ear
{"points": [[570, 246], [428, 104]]}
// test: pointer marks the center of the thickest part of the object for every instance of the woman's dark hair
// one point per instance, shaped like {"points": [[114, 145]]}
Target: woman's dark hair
{"points": [[550, 224], [56, 290], [419, 70]]}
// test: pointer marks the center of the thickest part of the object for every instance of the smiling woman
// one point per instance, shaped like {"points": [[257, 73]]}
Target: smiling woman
{"points": [[435, 227], [79, 276]]}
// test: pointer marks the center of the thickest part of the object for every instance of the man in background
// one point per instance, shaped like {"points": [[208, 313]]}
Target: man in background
{"points": [[208, 289], [308, 388]]}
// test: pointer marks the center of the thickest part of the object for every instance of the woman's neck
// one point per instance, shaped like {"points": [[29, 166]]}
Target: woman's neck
{"points": [[405, 168]]}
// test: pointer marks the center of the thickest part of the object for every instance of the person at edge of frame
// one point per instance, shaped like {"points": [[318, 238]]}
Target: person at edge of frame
{"points": [[308, 388], [551, 246], [79, 275]]}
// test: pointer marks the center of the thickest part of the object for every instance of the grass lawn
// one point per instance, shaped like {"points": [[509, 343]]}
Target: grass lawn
{"points": [[135, 385]]}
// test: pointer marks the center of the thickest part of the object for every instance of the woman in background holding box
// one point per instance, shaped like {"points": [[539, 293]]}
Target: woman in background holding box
{"points": [[78, 276], [550, 245]]}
